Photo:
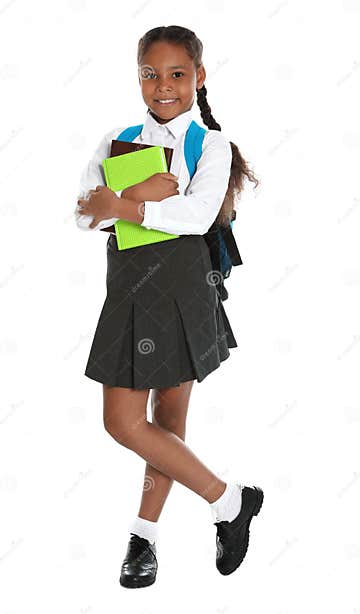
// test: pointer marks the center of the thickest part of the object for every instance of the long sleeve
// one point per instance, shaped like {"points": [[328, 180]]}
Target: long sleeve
{"points": [[195, 211], [93, 175]]}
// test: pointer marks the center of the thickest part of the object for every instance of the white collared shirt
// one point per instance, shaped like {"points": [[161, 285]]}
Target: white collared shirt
{"points": [[195, 208]]}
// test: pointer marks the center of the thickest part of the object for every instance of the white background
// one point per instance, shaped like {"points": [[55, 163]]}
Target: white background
{"points": [[283, 412]]}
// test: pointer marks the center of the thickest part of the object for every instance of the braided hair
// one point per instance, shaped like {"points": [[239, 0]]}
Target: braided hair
{"points": [[194, 47]]}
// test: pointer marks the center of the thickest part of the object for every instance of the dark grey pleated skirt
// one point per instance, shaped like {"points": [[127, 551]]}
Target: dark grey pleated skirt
{"points": [[162, 321]]}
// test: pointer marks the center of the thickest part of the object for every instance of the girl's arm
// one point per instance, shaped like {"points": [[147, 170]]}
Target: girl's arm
{"points": [[104, 204], [157, 187], [195, 211], [93, 175]]}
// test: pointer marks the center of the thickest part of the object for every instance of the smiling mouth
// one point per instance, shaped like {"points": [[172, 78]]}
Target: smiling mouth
{"points": [[166, 101]]}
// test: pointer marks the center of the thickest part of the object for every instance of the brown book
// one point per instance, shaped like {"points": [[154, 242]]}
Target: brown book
{"points": [[123, 147]]}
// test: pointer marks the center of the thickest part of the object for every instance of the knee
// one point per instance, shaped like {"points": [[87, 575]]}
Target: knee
{"points": [[124, 430]]}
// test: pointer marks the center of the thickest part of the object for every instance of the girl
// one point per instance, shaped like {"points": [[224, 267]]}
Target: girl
{"points": [[163, 324]]}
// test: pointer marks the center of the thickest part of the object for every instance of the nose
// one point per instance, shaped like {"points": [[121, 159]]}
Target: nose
{"points": [[163, 84]]}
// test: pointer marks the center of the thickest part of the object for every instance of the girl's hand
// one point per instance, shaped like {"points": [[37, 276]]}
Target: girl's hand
{"points": [[157, 187], [102, 203]]}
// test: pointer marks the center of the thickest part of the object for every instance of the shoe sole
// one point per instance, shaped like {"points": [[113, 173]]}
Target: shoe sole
{"points": [[256, 509], [136, 582]]}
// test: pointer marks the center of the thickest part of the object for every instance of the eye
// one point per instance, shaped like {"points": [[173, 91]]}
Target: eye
{"points": [[151, 75], [145, 73]]}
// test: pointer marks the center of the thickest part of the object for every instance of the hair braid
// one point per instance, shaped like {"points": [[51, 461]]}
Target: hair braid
{"points": [[205, 109]]}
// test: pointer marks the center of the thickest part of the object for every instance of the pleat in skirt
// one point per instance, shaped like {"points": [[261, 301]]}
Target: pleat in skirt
{"points": [[162, 322]]}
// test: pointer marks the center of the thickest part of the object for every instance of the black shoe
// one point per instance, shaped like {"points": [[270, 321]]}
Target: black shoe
{"points": [[232, 538], [140, 565]]}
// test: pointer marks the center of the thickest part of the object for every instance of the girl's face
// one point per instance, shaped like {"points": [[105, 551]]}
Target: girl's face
{"points": [[167, 72]]}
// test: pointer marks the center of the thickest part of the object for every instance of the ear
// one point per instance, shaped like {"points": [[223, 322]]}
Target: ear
{"points": [[200, 76], [139, 75]]}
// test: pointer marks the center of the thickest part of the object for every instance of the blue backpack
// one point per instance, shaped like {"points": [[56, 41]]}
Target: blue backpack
{"points": [[220, 239]]}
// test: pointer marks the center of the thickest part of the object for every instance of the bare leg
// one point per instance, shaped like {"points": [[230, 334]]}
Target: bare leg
{"points": [[169, 408], [125, 420]]}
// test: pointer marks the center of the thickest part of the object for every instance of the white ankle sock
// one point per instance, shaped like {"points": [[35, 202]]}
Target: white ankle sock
{"points": [[144, 528], [228, 505]]}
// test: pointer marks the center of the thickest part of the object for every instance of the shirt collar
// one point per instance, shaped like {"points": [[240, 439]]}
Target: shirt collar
{"points": [[176, 126]]}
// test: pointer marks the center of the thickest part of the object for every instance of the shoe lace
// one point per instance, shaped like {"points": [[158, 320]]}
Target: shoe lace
{"points": [[222, 530], [137, 545]]}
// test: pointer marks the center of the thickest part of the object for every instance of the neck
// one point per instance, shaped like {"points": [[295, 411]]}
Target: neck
{"points": [[160, 120]]}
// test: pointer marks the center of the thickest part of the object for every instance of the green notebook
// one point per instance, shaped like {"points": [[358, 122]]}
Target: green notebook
{"points": [[126, 170]]}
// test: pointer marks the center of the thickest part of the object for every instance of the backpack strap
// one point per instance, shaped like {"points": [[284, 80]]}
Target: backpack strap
{"points": [[229, 240], [193, 146], [129, 134], [229, 255]]}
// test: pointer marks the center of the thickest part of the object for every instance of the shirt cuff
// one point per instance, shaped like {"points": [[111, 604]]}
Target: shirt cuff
{"points": [[152, 214], [155, 218]]}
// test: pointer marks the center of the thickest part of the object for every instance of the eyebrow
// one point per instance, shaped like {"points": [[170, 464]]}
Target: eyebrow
{"points": [[168, 67]]}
